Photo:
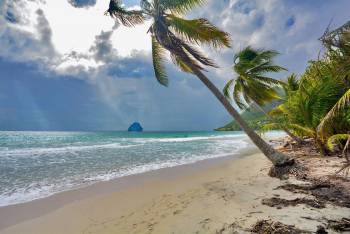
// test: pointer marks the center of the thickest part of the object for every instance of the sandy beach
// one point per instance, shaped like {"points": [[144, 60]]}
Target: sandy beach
{"points": [[214, 196]]}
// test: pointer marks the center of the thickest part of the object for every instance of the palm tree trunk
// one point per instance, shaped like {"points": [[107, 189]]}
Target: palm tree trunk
{"points": [[346, 150], [289, 133], [277, 158]]}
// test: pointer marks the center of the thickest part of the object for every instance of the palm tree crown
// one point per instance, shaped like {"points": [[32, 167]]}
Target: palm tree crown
{"points": [[252, 85], [173, 33]]}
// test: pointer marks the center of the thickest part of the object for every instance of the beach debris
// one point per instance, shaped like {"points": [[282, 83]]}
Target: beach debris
{"points": [[322, 191], [280, 202], [339, 225], [270, 226], [321, 230], [283, 172]]}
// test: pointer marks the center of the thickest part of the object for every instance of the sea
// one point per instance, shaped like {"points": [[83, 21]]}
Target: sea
{"points": [[35, 165]]}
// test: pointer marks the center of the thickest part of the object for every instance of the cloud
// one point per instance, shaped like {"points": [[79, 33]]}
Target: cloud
{"points": [[103, 48], [82, 3], [290, 27], [19, 44], [85, 45]]}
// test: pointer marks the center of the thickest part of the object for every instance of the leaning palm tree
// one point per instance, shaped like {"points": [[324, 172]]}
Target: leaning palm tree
{"points": [[170, 32], [252, 86]]}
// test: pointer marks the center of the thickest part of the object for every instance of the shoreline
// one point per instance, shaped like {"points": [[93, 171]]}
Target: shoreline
{"points": [[16, 213], [19, 192], [222, 195], [231, 194]]}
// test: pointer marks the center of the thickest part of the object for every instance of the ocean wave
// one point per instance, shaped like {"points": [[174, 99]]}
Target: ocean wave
{"points": [[186, 139], [59, 150], [37, 151], [46, 188]]}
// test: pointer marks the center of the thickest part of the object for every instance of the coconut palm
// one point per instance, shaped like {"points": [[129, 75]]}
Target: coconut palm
{"points": [[252, 86], [291, 85], [171, 32]]}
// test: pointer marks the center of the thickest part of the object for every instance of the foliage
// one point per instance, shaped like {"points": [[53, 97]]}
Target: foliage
{"points": [[317, 105], [336, 140], [253, 117], [128, 18], [172, 33], [252, 85]]}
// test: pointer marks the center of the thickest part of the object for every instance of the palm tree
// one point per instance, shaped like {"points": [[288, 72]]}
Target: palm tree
{"points": [[170, 32], [253, 86], [291, 85]]}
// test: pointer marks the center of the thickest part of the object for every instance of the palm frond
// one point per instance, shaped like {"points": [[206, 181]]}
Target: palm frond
{"points": [[302, 129], [180, 6], [270, 127], [237, 90], [336, 140], [227, 88], [158, 53], [267, 67], [268, 54], [198, 55], [343, 103], [278, 111], [181, 64], [267, 80], [128, 18], [199, 31], [291, 84]]}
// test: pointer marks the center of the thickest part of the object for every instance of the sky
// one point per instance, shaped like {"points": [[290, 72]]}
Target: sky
{"points": [[64, 65]]}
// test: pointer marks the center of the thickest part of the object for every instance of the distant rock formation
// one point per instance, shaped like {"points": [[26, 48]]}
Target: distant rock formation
{"points": [[135, 127]]}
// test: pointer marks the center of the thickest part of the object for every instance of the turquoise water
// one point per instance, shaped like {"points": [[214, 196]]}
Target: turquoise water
{"points": [[38, 164]]}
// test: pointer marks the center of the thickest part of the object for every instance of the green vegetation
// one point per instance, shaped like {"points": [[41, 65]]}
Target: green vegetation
{"points": [[252, 86], [255, 118], [316, 105]]}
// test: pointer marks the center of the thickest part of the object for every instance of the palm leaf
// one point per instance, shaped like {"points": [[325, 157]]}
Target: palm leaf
{"points": [[278, 111], [158, 53], [199, 31], [267, 80], [343, 103], [126, 17], [336, 140], [180, 6], [197, 55], [227, 88], [181, 64], [270, 127], [266, 67], [267, 54], [237, 90], [302, 129]]}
